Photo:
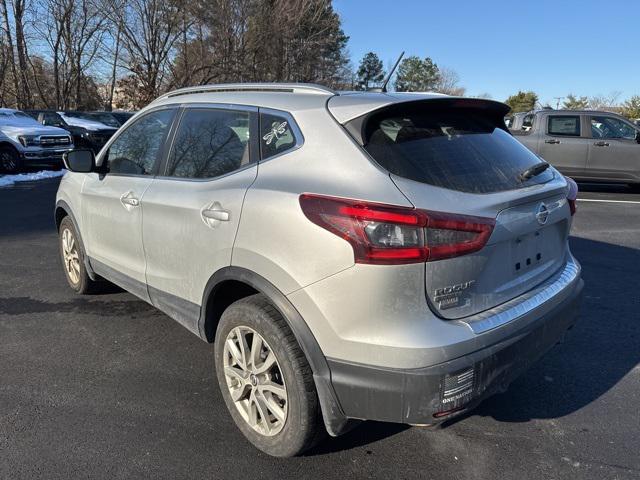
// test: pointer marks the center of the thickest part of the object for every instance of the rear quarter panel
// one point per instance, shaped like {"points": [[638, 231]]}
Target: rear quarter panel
{"points": [[275, 239]]}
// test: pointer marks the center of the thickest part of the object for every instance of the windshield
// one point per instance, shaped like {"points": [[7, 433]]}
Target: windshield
{"points": [[454, 148], [82, 119], [17, 119], [105, 118]]}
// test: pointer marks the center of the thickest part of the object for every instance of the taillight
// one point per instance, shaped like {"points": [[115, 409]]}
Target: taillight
{"points": [[572, 194], [386, 234]]}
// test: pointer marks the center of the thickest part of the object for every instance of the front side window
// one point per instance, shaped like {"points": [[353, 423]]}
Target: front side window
{"points": [[564, 125], [210, 143], [138, 147], [276, 135], [611, 128]]}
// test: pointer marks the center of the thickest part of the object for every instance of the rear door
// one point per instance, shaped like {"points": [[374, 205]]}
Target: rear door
{"points": [[111, 202], [457, 163], [564, 143], [192, 210], [614, 153]]}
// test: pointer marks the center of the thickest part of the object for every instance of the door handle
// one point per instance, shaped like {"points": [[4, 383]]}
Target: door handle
{"points": [[129, 200], [553, 141], [213, 214], [601, 144]]}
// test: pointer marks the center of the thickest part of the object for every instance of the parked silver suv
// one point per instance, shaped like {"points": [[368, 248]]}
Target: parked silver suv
{"points": [[396, 257]]}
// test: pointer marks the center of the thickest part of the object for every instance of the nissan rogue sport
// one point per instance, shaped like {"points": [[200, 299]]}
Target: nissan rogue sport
{"points": [[352, 256]]}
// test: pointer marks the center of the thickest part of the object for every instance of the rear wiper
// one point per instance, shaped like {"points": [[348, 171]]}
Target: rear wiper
{"points": [[531, 172]]}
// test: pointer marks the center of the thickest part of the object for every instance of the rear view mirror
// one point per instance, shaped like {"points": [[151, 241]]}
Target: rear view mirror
{"points": [[82, 161]]}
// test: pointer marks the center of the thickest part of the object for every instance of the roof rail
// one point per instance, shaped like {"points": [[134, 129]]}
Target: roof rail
{"points": [[253, 87]]}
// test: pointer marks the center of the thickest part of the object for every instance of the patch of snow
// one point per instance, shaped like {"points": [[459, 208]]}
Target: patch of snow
{"points": [[8, 180]]}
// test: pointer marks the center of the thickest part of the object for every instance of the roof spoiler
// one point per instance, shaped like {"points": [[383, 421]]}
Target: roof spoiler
{"points": [[494, 109]]}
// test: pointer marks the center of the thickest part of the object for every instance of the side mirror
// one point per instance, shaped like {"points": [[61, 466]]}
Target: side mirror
{"points": [[638, 136], [82, 161]]}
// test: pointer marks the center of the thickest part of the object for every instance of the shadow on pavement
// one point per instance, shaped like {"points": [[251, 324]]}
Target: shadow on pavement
{"points": [[606, 188], [22, 207], [598, 352]]}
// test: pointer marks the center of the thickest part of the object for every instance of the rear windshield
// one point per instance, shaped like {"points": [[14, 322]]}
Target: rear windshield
{"points": [[459, 149]]}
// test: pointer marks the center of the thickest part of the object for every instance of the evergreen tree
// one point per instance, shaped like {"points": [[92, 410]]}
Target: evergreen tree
{"points": [[575, 103], [416, 75], [522, 101], [370, 71], [631, 108]]}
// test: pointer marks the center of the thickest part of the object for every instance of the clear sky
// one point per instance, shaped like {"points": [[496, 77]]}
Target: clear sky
{"points": [[587, 47]]}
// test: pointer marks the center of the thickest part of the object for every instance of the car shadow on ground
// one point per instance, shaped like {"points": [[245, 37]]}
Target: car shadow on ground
{"points": [[598, 352], [606, 188]]}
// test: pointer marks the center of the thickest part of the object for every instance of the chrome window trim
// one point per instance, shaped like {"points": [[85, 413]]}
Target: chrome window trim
{"points": [[527, 302]]}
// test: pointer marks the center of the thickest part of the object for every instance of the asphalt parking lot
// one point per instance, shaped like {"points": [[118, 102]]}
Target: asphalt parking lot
{"points": [[105, 386]]}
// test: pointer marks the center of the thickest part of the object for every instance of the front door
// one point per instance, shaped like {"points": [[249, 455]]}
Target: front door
{"points": [[614, 153], [192, 210], [563, 145], [111, 202]]}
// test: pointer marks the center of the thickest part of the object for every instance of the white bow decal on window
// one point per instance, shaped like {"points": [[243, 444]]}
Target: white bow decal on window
{"points": [[276, 131]]}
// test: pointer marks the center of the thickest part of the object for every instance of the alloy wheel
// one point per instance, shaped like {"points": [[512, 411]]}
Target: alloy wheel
{"points": [[7, 161], [255, 381], [70, 256]]}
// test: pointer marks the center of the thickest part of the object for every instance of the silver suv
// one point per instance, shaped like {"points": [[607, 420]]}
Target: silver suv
{"points": [[395, 257]]}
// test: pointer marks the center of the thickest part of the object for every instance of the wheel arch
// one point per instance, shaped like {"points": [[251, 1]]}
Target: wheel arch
{"points": [[5, 143], [232, 283], [62, 210]]}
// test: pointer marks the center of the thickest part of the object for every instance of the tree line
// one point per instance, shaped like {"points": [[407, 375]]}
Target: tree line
{"points": [[524, 101], [95, 54], [90, 54], [414, 74]]}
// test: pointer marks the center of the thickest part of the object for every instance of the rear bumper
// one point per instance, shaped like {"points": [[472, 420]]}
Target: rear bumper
{"points": [[419, 396]]}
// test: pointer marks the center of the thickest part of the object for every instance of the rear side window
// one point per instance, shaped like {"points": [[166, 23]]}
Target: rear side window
{"points": [[276, 135], [209, 143], [455, 148], [564, 125]]}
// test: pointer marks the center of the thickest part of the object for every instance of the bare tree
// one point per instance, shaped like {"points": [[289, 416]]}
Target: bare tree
{"points": [[604, 102], [74, 31], [108, 104], [150, 29], [448, 82], [8, 34]]}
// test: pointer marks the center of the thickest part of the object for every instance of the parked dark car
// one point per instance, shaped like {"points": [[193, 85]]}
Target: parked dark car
{"points": [[116, 119], [86, 133], [112, 119]]}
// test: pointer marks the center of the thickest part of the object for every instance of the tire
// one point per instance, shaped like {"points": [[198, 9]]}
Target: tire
{"points": [[72, 256], [10, 161], [299, 406]]}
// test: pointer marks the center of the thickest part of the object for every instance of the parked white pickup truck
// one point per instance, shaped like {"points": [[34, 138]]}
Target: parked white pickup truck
{"points": [[26, 143], [586, 145]]}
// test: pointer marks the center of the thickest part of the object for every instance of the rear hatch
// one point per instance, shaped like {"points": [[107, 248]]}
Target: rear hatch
{"points": [[455, 157]]}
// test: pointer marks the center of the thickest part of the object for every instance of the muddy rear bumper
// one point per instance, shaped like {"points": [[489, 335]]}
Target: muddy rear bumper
{"points": [[436, 393]]}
